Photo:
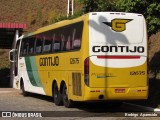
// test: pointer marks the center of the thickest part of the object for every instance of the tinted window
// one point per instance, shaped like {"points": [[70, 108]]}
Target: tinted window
{"points": [[61, 39], [39, 44], [77, 35], [24, 47], [57, 40], [73, 36], [31, 45], [47, 42]]}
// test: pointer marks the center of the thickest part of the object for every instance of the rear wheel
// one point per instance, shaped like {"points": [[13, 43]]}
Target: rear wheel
{"points": [[57, 95], [67, 103], [24, 93]]}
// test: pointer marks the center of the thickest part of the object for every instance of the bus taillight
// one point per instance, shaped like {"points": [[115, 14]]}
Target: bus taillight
{"points": [[86, 71]]}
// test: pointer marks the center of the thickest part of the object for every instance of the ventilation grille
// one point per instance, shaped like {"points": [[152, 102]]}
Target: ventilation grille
{"points": [[76, 80]]}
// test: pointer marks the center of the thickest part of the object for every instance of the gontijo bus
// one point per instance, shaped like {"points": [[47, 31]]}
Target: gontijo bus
{"points": [[98, 56]]}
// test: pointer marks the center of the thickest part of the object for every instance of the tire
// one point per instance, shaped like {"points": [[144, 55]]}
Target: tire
{"points": [[67, 103], [24, 93], [57, 97]]}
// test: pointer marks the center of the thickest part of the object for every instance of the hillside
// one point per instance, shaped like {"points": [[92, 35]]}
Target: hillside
{"points": [[35, 13]]}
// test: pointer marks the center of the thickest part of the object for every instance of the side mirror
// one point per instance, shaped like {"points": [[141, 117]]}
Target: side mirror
{"points": [[12, 55]]}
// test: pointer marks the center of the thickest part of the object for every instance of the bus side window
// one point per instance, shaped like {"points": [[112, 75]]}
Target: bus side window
{"points": [[76, 44], [22, 47], [47, 44], [31, 45], [53, 39], [57, 41], [63, 42], [76, 39], [77, 35], [25, 47], [56, 47], [67, 38], [68, 43], [73, 37], [39, 44]]}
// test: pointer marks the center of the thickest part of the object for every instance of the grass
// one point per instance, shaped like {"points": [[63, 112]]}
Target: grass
{"points": [[26, 11]]}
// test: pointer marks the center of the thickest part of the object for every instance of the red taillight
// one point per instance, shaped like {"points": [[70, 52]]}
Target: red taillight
{"points": [[86, 71], [86, 66]]}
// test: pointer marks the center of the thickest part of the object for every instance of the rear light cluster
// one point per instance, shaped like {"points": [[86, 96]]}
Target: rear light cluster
{"points": [[86, 71]]}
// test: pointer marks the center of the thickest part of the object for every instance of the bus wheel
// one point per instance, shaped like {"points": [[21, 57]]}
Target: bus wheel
{"points": [[57, 95], [24, 93], [67, 103]]}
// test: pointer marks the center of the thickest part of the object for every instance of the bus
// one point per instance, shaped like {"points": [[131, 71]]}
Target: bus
{"points": [[100, 56]]}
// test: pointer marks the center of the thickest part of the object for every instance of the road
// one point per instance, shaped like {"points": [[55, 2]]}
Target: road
{"points": [[13, 101]]}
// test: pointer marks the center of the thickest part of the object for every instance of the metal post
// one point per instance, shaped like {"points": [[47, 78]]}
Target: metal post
{"points": [[68, 8], [13, 64], [72, 6]]}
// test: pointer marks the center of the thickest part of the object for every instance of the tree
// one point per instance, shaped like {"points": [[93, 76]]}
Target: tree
{"points": [[97, 5], [149, 8]]}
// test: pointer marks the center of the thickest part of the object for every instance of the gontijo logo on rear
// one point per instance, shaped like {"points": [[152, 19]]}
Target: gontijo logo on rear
{"points": [[118, 25]]}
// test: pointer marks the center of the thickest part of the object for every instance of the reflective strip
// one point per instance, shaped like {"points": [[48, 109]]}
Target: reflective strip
{"points": [[118, 57]]}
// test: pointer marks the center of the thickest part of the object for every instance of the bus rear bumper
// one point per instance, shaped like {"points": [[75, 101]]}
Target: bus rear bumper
{"points": [[136, 93]]}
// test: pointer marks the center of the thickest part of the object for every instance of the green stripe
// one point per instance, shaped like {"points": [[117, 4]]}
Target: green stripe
{"points": [[32, 71], [105, 76]]}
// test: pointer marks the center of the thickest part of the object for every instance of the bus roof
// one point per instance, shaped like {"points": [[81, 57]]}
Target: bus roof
{"points": [[67, 22], [56, 25]]}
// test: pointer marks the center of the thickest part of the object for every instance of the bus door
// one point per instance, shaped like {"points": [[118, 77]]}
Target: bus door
{"points": [[16, 58]]}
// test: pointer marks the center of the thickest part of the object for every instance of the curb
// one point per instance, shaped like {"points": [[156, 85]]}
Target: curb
{"points": [[149, 109]]}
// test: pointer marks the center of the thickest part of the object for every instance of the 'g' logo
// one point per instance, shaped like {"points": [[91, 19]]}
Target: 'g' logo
{"points": [[118, 25]]}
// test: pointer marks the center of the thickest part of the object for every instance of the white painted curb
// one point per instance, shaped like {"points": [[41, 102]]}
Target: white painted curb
{"points": [[143, 107]]}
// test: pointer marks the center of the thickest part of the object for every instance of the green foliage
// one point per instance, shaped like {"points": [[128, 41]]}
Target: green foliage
{"points": [[149, 8], [29, 18], [105, 5], [153, 17], [39, 13], [51, 16], [64, 17], [89, 5], [97, 5], [131, 5]]}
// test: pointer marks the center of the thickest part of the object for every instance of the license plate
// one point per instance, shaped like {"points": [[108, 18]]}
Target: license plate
{"points": [[119, 90]]}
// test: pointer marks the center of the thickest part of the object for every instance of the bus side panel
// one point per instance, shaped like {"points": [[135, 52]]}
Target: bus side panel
{"points": [[30, 75]]}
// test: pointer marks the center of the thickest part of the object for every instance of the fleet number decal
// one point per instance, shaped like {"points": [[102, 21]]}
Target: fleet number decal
{"points": [[74, 60], [137, 73]]}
